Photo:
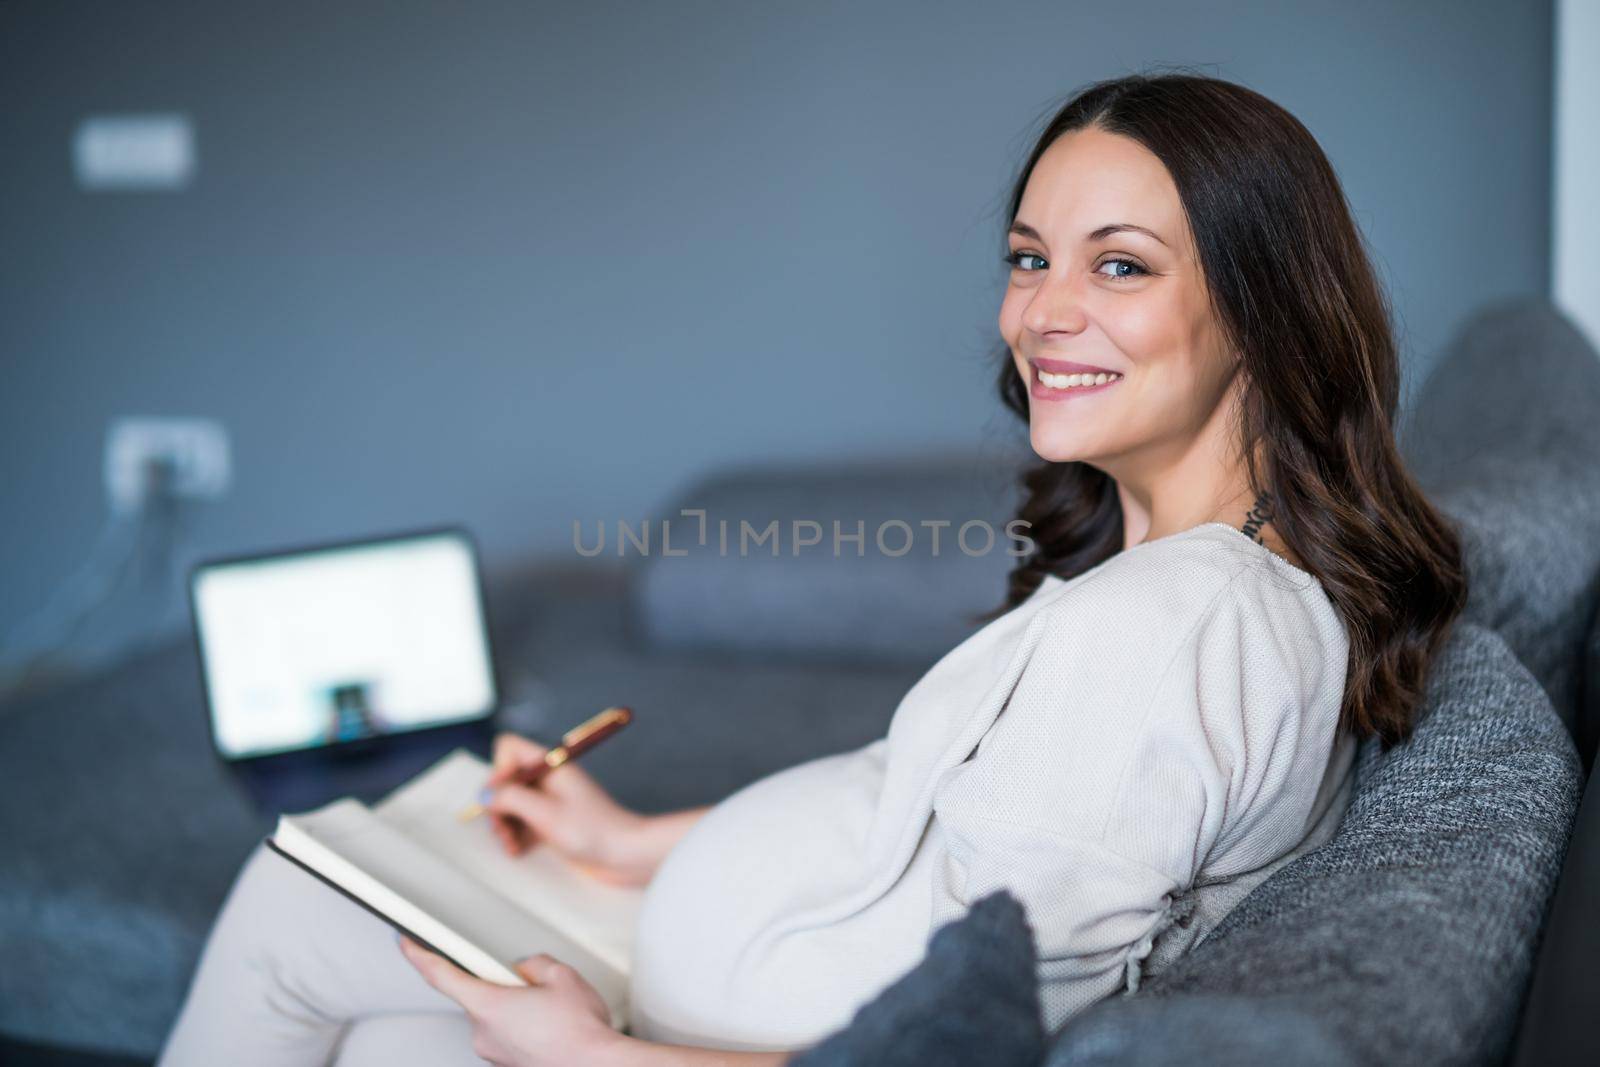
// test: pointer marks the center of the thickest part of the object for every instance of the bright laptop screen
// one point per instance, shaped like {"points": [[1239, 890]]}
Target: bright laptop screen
{"points": [[335, 644]]}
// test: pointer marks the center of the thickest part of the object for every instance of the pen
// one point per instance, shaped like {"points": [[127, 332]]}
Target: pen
{"points": [[574, 743]]}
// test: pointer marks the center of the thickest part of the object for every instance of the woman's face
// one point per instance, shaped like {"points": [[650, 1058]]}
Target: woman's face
{"points": [[1132, 304]]}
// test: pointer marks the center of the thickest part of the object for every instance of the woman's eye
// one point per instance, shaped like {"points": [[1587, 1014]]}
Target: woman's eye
{"points": [[1016, 259], [1029, 263], [1125, 263]]}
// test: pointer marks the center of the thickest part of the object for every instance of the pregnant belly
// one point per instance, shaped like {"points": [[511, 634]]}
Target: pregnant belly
{"points": [[783, 845]]}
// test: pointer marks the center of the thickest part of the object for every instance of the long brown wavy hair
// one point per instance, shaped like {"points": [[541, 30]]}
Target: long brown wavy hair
{"points": [[1294, 291]]}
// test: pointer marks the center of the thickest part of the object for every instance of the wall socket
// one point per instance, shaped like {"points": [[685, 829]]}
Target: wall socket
{"points": [[193, 450]]}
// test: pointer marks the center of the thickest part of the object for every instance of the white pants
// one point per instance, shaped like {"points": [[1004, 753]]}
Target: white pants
{"points": [[294, 973]]}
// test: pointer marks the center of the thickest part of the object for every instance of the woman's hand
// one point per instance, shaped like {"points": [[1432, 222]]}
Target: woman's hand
{"points": [[560, 1020], [571, 812]]}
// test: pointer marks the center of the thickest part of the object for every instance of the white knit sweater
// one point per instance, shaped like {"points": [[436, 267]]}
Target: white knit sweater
{"points": [[1168, 733]]}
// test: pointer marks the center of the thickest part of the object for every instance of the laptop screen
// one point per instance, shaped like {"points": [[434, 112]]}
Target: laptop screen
{"points": [[313, 648]]}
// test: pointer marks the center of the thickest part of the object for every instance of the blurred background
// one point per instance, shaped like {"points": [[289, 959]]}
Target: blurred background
{"points": [[520, 264]]}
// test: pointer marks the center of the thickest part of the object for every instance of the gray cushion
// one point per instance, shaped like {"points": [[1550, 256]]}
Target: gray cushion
{"points": [[1141, 1031], [973, 999], [1516, 466], [906, 600], [1587, 732], [1408, 938]]}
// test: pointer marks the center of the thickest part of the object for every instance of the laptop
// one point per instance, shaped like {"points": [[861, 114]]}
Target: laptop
{"points": [[344, 669]]}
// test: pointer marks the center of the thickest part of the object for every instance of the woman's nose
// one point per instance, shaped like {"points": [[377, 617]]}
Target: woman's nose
{"points": [[1056, 306]]}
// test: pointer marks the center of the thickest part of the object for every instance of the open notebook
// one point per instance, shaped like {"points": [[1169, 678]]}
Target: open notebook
{"points": [[450, 886]]}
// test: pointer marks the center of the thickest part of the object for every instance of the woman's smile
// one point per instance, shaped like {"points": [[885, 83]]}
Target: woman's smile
{"points": [[1053, 379]]}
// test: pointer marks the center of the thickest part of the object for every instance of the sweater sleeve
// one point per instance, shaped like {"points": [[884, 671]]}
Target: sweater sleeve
{"points": [[1119, 763]]}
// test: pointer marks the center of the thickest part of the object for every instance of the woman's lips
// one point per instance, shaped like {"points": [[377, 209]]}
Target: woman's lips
{"points": [[1067, 366], [1040, 391]]}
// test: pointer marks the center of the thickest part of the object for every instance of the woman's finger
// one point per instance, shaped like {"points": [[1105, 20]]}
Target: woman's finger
{"points": [[445, 976], [513, 753], [540, 969], [514, 834], [526, 803]]}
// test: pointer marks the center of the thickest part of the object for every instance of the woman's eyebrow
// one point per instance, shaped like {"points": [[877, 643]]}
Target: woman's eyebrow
{"points": [[1111, 228], [1022, 229]]}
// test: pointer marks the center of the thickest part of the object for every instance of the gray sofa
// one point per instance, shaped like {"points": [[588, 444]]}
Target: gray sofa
{"points": [[1410, 937]]}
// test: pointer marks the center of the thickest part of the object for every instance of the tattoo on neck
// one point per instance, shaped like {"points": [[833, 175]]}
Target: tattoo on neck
{"points": [[1259, 514]]}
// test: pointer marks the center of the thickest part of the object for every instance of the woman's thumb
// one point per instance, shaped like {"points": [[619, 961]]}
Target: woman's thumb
{"points": [[541, 968]]}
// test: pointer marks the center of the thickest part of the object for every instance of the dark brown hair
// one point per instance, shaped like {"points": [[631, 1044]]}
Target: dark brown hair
{"points": [[1293, 290]]}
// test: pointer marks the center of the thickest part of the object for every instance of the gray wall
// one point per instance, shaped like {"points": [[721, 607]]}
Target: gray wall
{"points": [[520, 264]]}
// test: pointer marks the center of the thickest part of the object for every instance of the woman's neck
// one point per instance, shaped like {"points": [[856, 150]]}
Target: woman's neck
{"points": [[1251, 514]]}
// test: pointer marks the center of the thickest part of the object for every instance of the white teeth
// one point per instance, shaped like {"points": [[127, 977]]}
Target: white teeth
{"points": [[1069, 381]]}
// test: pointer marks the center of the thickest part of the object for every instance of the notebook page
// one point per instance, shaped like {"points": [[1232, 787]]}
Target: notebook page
{"points": [[304, 847], [601, 917], [477, 914]]}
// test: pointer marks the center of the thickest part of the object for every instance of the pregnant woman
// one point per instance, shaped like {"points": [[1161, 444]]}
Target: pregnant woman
{"points": [[1232, 580]]}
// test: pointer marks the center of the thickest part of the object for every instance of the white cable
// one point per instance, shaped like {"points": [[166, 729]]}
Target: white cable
{"points": [[78, 596], [112, 552]]}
